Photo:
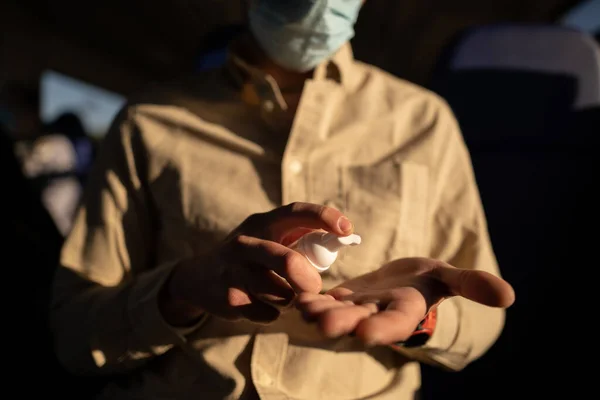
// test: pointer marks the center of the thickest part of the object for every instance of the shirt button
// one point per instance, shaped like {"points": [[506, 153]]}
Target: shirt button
{"points": [[263, 378], [295, 167]]}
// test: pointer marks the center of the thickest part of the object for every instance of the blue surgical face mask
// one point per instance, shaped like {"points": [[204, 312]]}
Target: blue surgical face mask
{"points": [[300, 34]]}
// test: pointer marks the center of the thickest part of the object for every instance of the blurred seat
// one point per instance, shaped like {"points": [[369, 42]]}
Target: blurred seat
{"points": [[50, 164], [527, 98]]}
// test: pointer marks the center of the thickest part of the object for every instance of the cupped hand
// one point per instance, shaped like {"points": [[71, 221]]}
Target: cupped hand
{"points": [[385, 306]]}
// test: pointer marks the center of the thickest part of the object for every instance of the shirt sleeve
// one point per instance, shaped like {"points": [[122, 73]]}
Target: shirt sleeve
{"points": [[465, 330], [104, 311]]}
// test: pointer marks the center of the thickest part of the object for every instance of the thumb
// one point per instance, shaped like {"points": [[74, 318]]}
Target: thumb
{"points": [[479, 286]]}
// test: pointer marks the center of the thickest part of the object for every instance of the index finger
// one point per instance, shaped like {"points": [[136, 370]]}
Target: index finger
{"points": [[285, 262], [284, 219]]}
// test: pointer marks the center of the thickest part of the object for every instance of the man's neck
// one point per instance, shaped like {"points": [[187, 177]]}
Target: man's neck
{"points": [[249, 50]]}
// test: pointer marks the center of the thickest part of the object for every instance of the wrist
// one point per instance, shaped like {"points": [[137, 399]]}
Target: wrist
{"points": [[422, 332], [175, 310]]}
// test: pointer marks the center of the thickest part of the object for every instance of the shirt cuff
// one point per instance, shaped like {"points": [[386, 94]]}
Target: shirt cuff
{"points": [[147, 322], [184, 331], [446, 328], [439, 347]]}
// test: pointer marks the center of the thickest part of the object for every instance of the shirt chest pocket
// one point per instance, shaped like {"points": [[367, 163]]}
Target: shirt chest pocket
{"points": [[198, 211], [388, 204]]}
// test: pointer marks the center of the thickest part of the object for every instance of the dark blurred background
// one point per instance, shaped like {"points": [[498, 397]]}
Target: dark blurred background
{"points": [[522, 76], [121, 45]]}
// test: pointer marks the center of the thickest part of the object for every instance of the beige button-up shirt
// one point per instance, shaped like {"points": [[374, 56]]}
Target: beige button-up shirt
{"points": [[186, 163]]}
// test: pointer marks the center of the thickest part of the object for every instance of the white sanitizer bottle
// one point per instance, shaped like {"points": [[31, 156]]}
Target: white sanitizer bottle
{"points": [[321, 248]]}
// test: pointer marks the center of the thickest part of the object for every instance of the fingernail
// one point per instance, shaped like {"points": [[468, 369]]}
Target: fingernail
{"points": [[345, 225]]}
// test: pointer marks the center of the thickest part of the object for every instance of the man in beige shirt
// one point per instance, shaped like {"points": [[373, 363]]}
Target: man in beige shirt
{"points": [[177, 281]]}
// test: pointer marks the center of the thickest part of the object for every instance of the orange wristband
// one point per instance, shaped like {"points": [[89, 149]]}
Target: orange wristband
{"points": [[422, 333]]}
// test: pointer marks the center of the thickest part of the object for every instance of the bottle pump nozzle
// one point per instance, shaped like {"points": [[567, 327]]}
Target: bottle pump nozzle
{"points": [[321, 248]]}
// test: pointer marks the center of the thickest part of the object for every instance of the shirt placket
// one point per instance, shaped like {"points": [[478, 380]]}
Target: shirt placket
{"points": [[309, 128]]}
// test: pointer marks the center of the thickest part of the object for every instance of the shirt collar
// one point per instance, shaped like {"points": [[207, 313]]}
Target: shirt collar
{"points": [[339, 68]]}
